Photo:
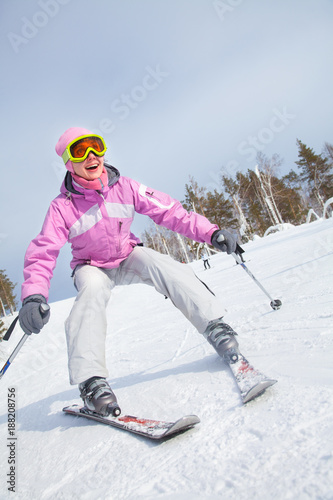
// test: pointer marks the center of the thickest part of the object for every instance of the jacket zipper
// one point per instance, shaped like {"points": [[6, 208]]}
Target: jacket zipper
{"points": [[119, 234], [119, 224]]}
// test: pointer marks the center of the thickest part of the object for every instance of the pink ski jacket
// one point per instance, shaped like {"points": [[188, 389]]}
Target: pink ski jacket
{"points": [[97, 225]]}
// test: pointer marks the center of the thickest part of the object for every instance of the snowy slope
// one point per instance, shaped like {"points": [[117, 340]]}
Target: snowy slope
{"points": [[276, 447]]}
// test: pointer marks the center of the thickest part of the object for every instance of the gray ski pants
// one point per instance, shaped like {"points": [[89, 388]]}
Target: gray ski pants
{"points": [[86, 325]]}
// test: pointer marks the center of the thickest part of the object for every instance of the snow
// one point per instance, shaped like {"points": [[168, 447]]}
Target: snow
{"points": [[278, 446]]}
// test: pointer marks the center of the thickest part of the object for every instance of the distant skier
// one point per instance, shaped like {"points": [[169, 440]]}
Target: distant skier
{"points": [[205, 259], [94, 213]]}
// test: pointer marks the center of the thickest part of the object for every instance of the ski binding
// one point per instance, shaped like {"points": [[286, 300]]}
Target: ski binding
{"points": [[251, 382], [152, 429]]}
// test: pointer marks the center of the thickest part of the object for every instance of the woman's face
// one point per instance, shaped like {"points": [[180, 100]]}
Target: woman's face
{"points": [[91, 168]]}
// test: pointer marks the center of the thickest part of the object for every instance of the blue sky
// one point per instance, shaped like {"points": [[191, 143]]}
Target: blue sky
{"points": [[176, 87]]}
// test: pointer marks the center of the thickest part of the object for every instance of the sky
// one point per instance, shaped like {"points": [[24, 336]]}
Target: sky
{"points": [[177, 88]]}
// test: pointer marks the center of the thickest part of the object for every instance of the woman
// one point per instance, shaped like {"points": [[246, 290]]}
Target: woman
{"points": [[94, 213]]}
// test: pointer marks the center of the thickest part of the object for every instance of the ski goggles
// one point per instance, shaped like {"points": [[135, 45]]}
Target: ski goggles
{"points": [[78, 150]]}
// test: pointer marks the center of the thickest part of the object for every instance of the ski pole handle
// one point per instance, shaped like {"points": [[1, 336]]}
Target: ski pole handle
{"points": [[44, 308], [10, 329]]}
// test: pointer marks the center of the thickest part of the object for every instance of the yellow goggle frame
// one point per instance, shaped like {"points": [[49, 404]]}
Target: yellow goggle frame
{"points": [[79, 149]]}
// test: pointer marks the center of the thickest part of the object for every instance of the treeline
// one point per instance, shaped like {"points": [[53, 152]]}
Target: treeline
{"points": [[7, 299], [250, 203], [7, 295], [2, 329]]}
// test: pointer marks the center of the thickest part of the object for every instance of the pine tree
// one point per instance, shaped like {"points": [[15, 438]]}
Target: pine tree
{"points": [[246, 192], [7, 295], [195, 197], [253, 201], [317, 173], [214, 206], [286, 199], [219, 211], [289, 201], [328, 152], [261, 199], [258, 213]]}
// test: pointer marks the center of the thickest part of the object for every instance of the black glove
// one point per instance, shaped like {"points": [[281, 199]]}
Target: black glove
{"points": [[34, 314], [224, 241]]}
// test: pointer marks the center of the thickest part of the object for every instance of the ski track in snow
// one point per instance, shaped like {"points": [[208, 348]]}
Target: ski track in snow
{"points": [[278, 447]]}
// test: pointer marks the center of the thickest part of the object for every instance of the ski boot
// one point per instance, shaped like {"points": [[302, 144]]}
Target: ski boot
{"points": [[98, 397], [222, 337]]}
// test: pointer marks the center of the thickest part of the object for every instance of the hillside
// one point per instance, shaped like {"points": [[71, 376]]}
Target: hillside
{"points": [[277, 447]]}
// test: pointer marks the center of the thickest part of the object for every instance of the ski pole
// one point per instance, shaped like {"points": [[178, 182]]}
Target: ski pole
{"points": [[275, 303], [43, 309], [13, 354]]}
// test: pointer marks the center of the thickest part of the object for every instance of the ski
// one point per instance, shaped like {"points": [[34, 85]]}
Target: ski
{"points": [[251, 382], [152, 429]]}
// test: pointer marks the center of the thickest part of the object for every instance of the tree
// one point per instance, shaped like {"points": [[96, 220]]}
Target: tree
{"points": [[266, 173], [289, 201], [168, 242], [261, 199], [258, 214], [247, 198], [219, 210], [7, 295], [284, 200], [2, 329], [255, 200], [195, 197], [328, 152], [214, 206], [316, 172], [235, 190]]}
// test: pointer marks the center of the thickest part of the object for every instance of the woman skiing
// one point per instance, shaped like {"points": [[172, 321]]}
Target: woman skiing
{"points": [[94, 213]]}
